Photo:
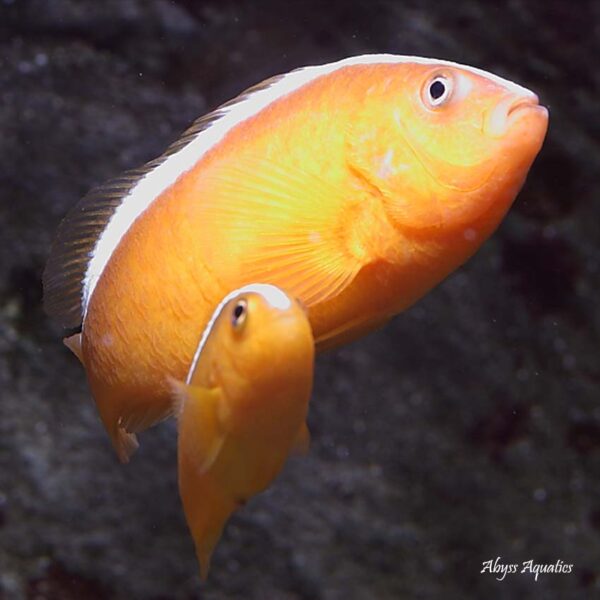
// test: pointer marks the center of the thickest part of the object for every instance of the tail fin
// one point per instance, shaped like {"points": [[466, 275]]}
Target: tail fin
{"points": [[207, 503], [207, 508]]}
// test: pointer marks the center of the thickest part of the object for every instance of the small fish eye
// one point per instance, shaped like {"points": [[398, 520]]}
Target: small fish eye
{"points": [[437, 91], [238, 316]]}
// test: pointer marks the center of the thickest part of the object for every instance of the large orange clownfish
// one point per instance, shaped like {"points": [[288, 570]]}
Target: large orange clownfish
{"points": [[355, 186]]}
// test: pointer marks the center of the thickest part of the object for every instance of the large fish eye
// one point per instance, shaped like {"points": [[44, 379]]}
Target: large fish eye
{"points": [[238, 315], [437, 91]]}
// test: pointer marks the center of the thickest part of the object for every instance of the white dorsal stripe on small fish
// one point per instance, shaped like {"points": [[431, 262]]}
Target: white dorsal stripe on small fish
{"points": [[272, 294], [155, 182]]}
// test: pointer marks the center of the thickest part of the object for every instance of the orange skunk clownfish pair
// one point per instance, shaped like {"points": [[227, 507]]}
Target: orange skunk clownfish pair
{"points": [[243, 407], [356, 186]]}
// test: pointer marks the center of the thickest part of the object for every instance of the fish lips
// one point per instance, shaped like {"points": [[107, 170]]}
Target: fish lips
{"points": [[510, 111]]}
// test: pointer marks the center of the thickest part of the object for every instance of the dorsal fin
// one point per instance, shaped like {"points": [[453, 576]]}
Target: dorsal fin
{"points": [[78, 233], [74, 243]]}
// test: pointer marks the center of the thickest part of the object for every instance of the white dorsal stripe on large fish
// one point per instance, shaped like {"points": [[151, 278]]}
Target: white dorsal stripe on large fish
{"points": [[276, 298], [156, 181]]}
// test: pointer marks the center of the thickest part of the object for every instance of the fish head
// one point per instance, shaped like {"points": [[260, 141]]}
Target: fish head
{"points": [[265, 344], [446, 146]]}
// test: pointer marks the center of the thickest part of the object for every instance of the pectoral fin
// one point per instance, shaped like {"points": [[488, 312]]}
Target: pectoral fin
{"points": [[284, 225], [201, 430]]}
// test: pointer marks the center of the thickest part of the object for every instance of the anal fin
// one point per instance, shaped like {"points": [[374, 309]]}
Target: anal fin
{"points": [[143, 417], [124, 443], [348, 333]]}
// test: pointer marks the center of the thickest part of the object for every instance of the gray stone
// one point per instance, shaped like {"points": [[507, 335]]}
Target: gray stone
{"points": [[468, 428]]}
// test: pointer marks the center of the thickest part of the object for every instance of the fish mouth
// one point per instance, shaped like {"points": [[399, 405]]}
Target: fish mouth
{"points": [[510, 110], [522, 105]]}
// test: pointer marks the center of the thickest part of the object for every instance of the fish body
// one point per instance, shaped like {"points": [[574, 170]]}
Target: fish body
{"points": [[243, 407], [356, 186]]}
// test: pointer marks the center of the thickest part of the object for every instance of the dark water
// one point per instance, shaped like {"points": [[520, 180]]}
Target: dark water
{"points": [[467, 429]]}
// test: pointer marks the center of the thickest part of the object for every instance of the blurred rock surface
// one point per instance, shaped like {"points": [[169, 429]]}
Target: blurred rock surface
{"points": [[468, 428]]}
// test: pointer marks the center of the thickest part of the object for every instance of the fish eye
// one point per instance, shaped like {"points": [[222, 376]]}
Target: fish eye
{"points": [[437, 91], [238, 315]]}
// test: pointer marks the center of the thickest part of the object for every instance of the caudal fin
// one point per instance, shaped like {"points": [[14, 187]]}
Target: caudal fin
{"points": [[207, 502], [207, 508]]}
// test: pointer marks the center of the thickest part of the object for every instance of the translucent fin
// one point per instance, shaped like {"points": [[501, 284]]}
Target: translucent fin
{"points": [[348, 333], [179, 396], [199, 415], [302, 442], [131, 418], [75, 241], [205, 121], [79, 231], [207, 508], [207, 504], [283, 226], [125, 444], [145, 416], [73, 343]]}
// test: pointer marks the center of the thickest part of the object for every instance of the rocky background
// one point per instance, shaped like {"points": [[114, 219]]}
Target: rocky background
{"points": [[467, 429]]}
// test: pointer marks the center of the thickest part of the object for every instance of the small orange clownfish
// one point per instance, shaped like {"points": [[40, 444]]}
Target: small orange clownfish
{"points": [[243, 407], [356, 186]]}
